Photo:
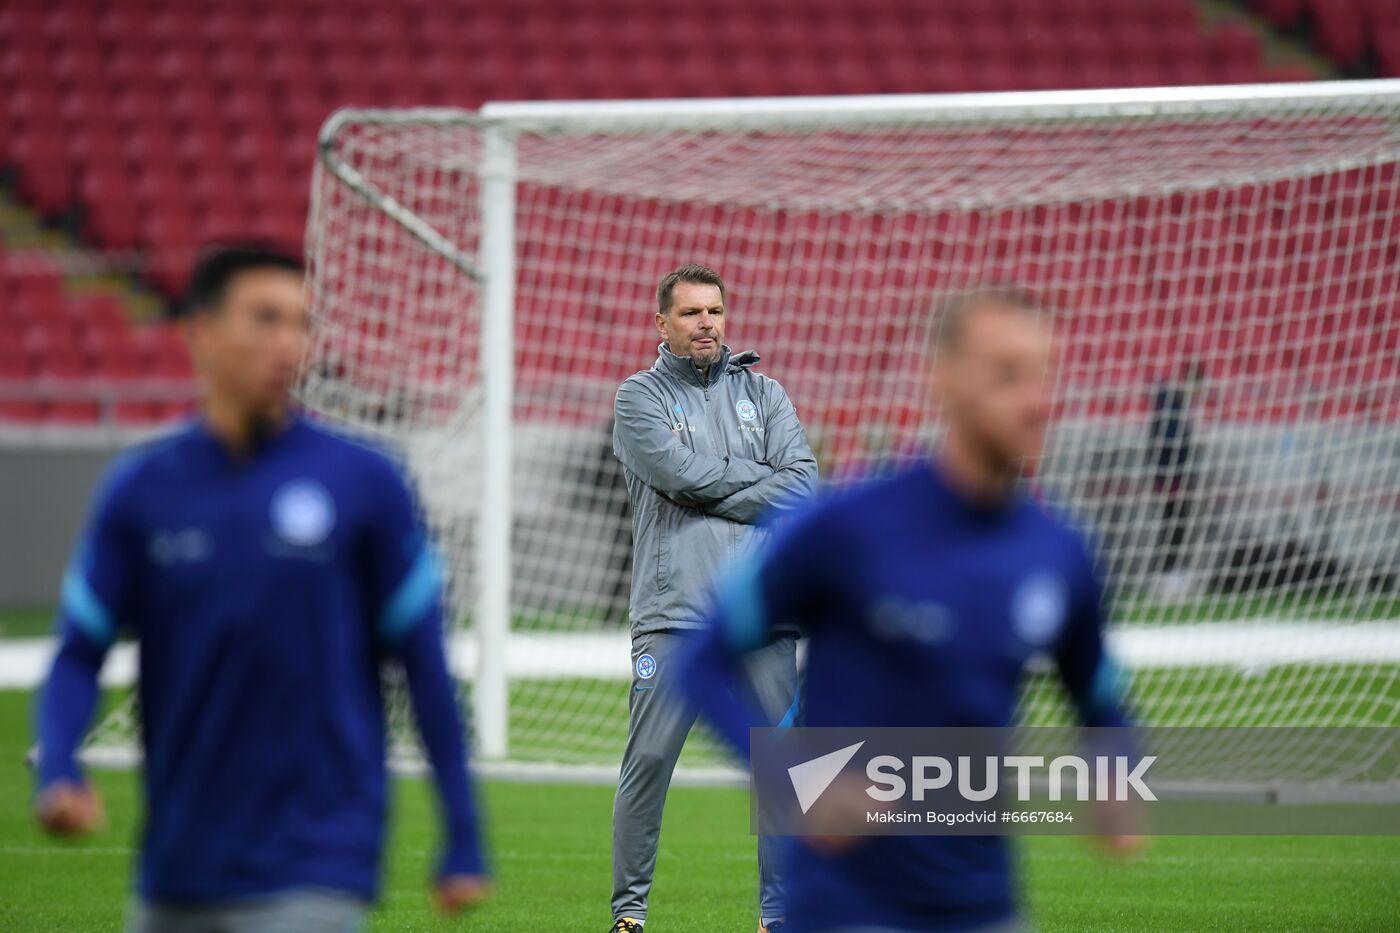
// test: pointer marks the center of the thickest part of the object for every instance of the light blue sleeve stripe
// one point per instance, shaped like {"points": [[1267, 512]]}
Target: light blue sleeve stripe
{"points": [[790, 717], [1109, 686], [742, 613], [81, 605], [418, 593]]}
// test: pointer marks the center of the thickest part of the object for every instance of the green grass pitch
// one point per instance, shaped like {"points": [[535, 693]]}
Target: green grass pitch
{"points": [[550, 851]]}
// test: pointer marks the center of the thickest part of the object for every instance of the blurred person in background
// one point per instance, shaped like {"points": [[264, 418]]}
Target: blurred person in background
{"points": [[268, 569], [923, 595], [1171, 454]]}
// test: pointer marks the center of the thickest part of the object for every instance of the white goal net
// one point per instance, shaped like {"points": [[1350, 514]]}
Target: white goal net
{"points": [[1221, 265]]}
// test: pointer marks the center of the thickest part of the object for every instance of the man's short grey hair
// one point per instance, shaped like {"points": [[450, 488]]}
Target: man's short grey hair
{"points": [[951, 315], [691, 272]]}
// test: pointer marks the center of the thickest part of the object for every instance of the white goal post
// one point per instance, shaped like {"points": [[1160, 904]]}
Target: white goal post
{"points": [[1220, 264]]}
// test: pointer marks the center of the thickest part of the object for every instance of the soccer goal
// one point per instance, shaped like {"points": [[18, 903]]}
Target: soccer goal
{"points": [[1222, 266]]}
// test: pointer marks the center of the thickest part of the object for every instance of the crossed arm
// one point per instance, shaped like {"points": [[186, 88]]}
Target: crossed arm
{"points": [[727, 486], [791, 459]]}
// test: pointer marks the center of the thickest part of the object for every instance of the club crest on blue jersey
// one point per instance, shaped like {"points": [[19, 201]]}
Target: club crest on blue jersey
{"points": [[646, 667], [746, 409], [1039, 607], [302, 513]]}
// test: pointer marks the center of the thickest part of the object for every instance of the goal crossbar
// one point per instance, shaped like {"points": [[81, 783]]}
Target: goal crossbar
{"points": [[875, 110]]}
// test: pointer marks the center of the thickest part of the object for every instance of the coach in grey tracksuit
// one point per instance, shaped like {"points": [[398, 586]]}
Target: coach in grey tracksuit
{"points": [[707, 446]]}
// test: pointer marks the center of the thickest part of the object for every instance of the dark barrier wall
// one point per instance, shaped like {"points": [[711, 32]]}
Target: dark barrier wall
{"points": [[44, 491]]}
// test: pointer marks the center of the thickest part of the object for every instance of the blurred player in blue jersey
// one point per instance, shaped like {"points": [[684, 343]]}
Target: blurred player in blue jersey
{"points": [[924, 594], [268, 569]]}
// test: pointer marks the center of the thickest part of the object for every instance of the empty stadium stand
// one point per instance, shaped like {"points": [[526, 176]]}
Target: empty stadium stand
{"points": [[152, 126], [78, 359]]}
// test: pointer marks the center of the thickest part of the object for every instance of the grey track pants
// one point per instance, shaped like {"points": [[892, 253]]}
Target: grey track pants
{"points": [[297, 911], [657, 727]]}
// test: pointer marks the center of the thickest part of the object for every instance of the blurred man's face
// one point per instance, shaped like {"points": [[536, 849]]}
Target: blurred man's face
{"points": [[695, 325], [994, 385], [248, 349]]}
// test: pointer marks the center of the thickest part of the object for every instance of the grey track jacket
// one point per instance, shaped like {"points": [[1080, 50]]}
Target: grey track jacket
{"points": [[703, 459]]}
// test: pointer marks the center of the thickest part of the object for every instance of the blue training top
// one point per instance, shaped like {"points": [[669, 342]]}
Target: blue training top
{"points": [[922, 609], [264, 593]]}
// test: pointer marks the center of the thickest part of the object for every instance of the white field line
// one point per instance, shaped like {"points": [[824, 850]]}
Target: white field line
{"points": [[1251, 645]]}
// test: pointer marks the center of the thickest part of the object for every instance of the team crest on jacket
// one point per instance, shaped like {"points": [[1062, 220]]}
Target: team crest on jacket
{"points": [[646, 667], [303, 513], [1039, 607], [747, 410]]}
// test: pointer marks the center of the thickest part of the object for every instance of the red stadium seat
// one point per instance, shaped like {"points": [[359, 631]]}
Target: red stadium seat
{"points": [[33, 281], [73, 411], [168, 267], [163, 350], [131, 412], [59, 362], [112, 220], [1388, 48], [1281, 13], [1236, 42], [119, 360], [1338, 31], [98, 314], [46, 175], [22, 411], [15, 363]]}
